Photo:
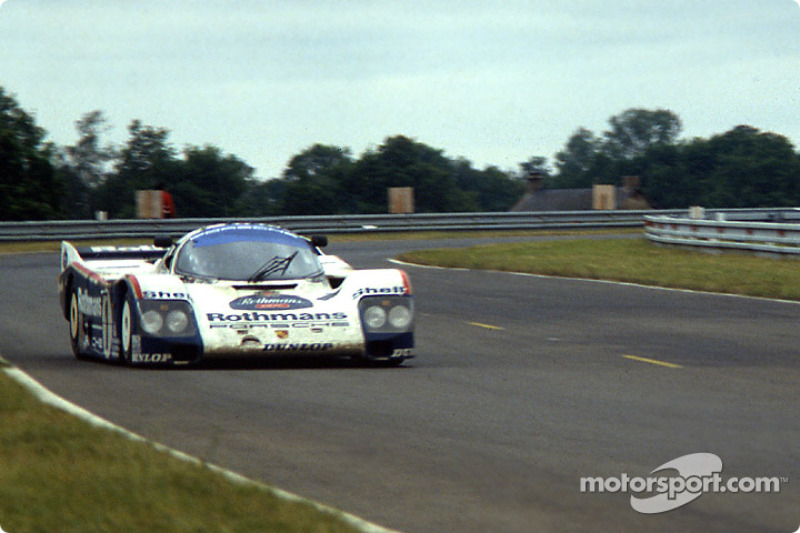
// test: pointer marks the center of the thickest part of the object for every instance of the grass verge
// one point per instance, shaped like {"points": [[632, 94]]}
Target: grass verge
{"points": [[629, 260], [60, 473]]}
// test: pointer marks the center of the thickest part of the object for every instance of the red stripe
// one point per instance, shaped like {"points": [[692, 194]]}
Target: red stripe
{"points": [[89, 273], [406, 281], [137, 289]]}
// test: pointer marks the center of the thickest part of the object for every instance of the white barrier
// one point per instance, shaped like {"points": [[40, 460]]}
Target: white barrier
{"points": [[759, 231]]}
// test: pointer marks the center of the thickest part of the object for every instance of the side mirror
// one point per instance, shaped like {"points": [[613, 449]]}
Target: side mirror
{"points": [[319, 241], [162, 242]]}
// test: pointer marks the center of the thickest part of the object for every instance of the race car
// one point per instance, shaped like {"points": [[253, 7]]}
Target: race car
{"points": [[236, 290]]}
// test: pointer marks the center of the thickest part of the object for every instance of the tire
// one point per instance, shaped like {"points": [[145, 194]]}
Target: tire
{"points": [[107, 321], [75, 318], [127, 323]]}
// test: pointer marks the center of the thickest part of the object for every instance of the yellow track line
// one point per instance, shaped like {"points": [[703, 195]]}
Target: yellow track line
{"points": [[487, 326], [652, 361]]}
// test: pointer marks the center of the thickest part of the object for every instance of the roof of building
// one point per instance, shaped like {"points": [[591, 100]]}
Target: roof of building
{"points": [[555, 200]]}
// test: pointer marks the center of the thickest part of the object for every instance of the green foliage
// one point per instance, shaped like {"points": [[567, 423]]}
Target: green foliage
{"points": [[208, 183], [146, 160], [743, 167], [635, 131], [29, 188], [314, 181], [325, 180]]}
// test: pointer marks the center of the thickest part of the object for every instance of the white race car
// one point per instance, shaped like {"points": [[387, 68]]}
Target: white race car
{"points": [[231, 291]]}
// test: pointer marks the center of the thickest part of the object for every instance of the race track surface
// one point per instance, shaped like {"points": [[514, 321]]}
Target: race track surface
{"points": [[522, 386]]}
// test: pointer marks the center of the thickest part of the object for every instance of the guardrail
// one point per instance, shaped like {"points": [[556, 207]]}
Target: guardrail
{"points": [[505, 221], [774, 231], [58, 230]]}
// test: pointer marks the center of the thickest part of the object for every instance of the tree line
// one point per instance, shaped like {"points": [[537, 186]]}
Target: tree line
{"points": [[743, 167]]}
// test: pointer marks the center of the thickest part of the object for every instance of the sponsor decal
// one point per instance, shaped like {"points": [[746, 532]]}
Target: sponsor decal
{"points": [[96, 344], [403, 352], [299, 347], [399, 289], [280, 321], [269, 301], [164, 295], [273, 317], [89, 305], [282, 334], [151, 357]]}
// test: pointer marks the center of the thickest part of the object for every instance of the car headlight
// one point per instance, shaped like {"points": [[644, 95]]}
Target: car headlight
{"points": [[390, 314], [177, 321], [374, 317], [167, 318], [152, 322], [400, 317]]}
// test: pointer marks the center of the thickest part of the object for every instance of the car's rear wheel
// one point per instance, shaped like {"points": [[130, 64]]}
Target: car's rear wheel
{"points": [[76, 332]]}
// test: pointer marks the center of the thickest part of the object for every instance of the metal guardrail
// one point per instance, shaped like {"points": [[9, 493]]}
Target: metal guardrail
{"points": [[85, 229], [775, 231], [504, 221]]}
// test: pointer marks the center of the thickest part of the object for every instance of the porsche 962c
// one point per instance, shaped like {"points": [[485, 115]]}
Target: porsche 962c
{"points": [[231, 291]]}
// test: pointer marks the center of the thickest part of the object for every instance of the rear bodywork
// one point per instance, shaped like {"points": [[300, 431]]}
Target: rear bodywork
{"points": [[144, 305]]}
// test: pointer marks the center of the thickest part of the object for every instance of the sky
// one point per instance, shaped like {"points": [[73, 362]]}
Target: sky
{"points": [[493, 82]]}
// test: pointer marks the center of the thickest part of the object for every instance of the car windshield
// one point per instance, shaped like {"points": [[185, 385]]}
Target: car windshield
{"points": [[247, 253]]}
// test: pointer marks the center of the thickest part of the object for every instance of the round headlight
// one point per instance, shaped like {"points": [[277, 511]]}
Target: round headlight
{"points": [[177, 321], [152, 322], [374, 317], [400, 317]]}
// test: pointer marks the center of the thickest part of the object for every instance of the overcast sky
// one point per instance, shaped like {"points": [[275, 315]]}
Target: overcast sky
{"points": [[495, 82]]}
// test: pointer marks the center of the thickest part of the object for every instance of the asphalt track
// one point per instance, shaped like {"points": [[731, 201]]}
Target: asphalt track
{"points": [[523, 385]]}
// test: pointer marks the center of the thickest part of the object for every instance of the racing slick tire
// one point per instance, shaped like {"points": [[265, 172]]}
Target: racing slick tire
{"points": [[127, 323], [75, 318]]}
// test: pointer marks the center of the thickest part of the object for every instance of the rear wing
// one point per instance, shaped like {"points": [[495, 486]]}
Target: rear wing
{"points": [[71, 254]]}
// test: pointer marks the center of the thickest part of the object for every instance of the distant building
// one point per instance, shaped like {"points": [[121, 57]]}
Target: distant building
{"points": [[629, 196]]}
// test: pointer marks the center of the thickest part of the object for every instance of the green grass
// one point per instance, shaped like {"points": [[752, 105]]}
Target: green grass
{"points": [[629, 260], [59, 473]]}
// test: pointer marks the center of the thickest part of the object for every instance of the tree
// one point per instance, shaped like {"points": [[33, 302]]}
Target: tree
{"points": [[87, 157], [404, 162], [490, 189], [314, 179], [263, 198], [535, 164], [84, 165], [208, 183], [146, 161], [575, 162], [752, 169], [29, 186], [635, 130]]}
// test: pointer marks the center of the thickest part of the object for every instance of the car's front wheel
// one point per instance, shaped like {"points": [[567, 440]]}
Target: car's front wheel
{"points": [[127, 323]]}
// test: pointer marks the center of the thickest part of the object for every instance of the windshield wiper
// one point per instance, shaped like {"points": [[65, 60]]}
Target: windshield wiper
{"points": [[276, 264]]}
